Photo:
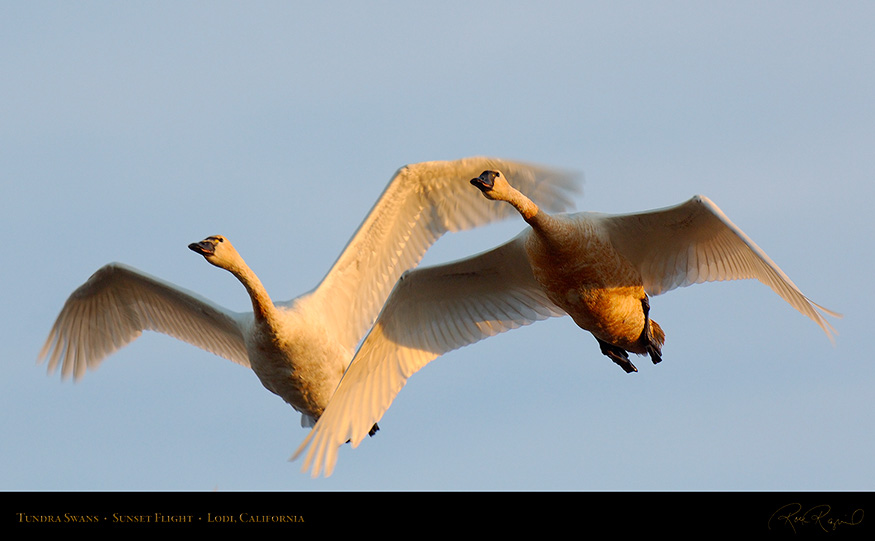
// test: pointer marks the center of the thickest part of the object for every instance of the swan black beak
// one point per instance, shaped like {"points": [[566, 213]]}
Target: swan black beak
{"points": [[486, 181], [204, 247]]}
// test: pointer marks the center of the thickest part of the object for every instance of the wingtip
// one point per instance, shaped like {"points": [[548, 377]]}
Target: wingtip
{"points": [[830, 331], [818, 316], [304, 444], [313, 461]]}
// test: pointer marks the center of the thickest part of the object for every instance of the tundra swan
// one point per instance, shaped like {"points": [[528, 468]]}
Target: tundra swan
{"points": [[298, 349], [596, 268]]}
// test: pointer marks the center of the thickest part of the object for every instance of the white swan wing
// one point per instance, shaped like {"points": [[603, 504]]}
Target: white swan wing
{"points": [[696, 242], [117, 303], [431, 311], [421, 202]]}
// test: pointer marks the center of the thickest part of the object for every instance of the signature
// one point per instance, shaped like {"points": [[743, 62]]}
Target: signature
{"points": [[794, 516]]}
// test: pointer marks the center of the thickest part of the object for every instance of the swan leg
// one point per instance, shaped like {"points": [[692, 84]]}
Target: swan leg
{"points": [[371, 432], [618, 355], [650, 343]]}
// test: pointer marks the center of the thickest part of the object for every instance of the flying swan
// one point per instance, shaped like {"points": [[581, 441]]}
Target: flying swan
{"points": [[597, 268], [298, 349]]}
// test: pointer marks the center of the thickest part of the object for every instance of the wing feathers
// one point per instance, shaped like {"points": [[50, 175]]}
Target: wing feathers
{"points": [[117, 303], [431, 311], [695, 242], [422, 202]]}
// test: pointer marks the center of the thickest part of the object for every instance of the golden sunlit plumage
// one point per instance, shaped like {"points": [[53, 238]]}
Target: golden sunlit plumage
{"points": [[596, 268], [299, 348]]}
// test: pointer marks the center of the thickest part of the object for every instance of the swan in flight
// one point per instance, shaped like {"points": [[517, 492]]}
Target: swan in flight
{"points": [[298, 349], [597, 268]]}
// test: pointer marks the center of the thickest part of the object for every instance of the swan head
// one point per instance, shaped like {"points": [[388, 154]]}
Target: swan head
{"points": [[217, 250], [493, 185]]}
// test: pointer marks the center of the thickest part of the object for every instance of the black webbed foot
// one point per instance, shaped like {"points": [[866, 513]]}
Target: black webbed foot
{"points": [[655, 354], [651, 345], [618, 355], [371, 432]]}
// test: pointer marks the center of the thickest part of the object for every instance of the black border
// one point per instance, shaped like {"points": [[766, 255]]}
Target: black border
{"points": [[792, 514]]}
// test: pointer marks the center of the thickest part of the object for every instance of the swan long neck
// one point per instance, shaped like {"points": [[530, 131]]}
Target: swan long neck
{"points": [[262, 305], [525, 206], [551, 230], [542, 222]]}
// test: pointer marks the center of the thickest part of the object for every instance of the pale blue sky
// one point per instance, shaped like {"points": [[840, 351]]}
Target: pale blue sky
{"points": [[128, 130]]}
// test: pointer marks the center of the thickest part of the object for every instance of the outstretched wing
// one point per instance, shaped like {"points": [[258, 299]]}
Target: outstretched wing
{"points": [[118, 302], [431, 311], [422, 202], [695, 242]]}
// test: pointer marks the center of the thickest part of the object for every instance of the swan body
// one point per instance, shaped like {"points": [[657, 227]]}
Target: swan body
{"points": [[599, 269], [300, 348]]}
